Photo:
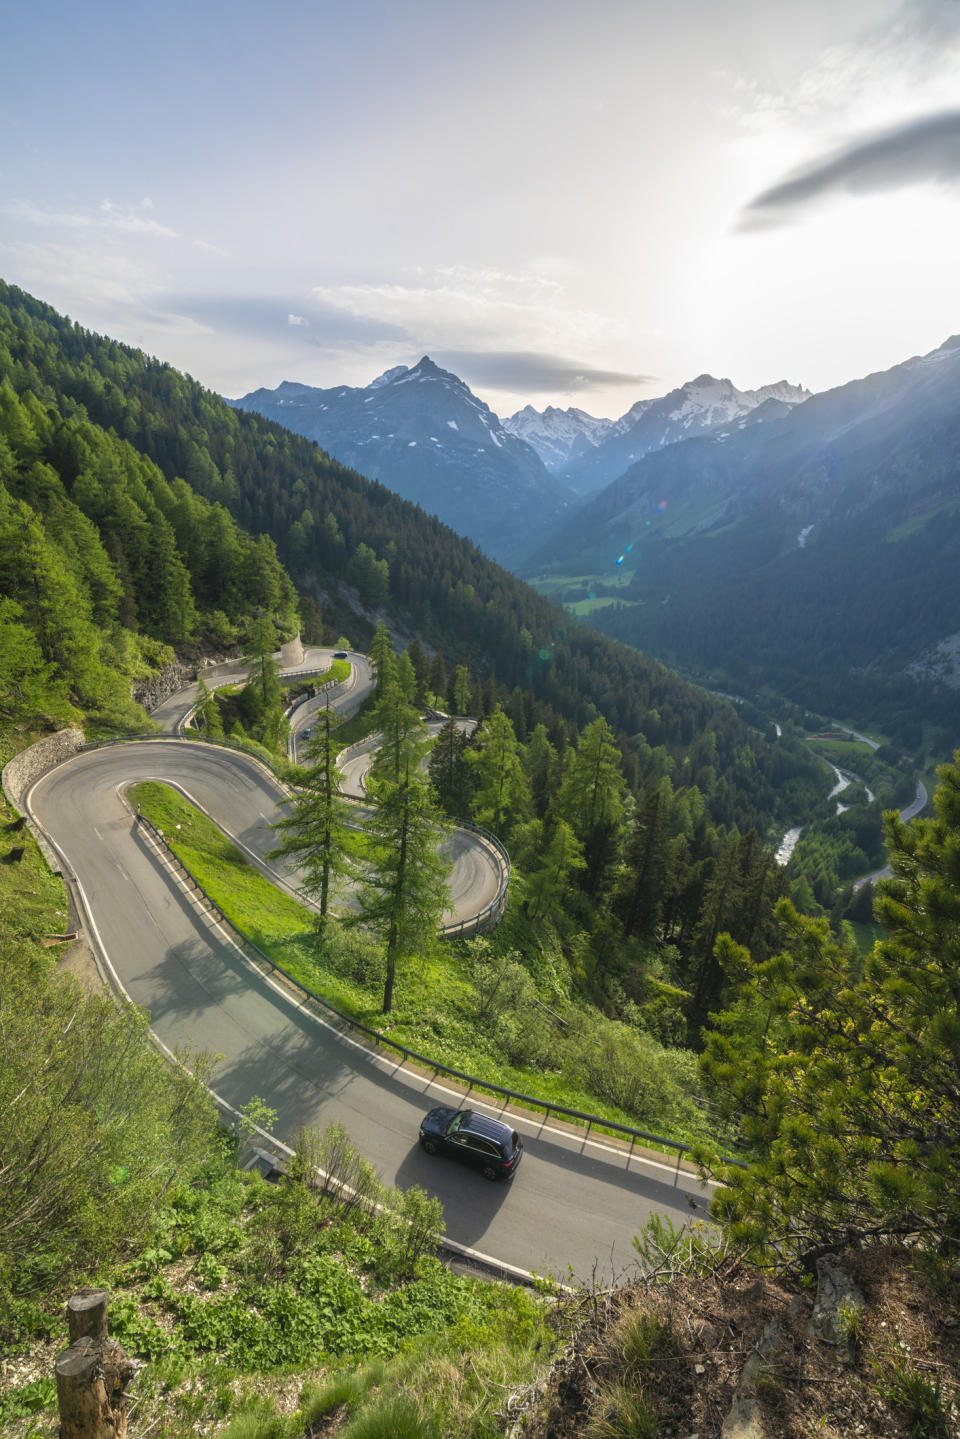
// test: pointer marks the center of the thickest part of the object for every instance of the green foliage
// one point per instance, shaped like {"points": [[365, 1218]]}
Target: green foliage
{"points": [[315, 832], [27, 1399], [920, 1399], [843, 1069], [404, 892], [94, 1126], [501, 795]]}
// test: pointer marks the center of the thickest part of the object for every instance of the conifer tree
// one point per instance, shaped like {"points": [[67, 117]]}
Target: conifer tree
{"points": [[547, 884], [843, 1072], [591, 799], [208, 712], [502, 794], [382, 658], [405, 891], [450, 775], [317, 833], [403, 736]]}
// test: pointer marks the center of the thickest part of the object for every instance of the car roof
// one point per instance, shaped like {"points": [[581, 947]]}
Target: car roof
{"points": [[486, 1128]]}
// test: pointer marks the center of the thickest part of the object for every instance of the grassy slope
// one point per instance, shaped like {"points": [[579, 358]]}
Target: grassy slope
{"points": [[435, 1010]]}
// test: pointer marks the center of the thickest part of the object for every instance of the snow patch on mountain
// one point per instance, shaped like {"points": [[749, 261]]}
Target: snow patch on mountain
{"points": [[557, 435]]}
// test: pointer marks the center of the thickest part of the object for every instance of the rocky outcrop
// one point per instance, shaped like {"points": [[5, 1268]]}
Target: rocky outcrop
{"points": [[156, 688], [744, 1421]]}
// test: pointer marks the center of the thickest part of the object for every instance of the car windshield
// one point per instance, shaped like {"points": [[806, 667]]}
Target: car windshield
{"points": [[457, 1120]]}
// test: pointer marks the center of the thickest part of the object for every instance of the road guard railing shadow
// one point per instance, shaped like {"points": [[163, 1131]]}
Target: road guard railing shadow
{"points": [[325, 1010]]}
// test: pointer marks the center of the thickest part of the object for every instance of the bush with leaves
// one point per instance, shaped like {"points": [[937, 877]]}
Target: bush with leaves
{"points": [[94, 1125]]}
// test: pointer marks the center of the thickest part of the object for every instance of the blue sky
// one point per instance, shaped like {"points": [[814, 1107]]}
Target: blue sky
{"points": [[570, 203]]}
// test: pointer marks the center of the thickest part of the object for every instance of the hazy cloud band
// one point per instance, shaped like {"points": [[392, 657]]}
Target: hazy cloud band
{"points": [[525, 370], [927, 149]]}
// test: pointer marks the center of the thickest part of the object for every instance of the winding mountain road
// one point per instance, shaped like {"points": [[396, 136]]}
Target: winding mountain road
{"points": [[574, 1202]]}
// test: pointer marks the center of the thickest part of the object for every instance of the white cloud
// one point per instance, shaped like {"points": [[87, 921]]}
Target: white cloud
{"points": [[456, 307], [129, 219], [297, 320], [64, 274]]}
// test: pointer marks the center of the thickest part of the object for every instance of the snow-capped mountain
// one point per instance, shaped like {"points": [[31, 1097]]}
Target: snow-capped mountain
{"points": [[819, 549], [699, 406], [423, 433], [559, 437]]}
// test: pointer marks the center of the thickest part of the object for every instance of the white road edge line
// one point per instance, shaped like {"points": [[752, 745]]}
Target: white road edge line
{"points": [[487, 1260]]}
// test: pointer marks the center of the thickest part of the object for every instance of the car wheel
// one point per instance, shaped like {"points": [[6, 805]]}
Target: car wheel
{"points": [[489, 1172], [430, 1145]]}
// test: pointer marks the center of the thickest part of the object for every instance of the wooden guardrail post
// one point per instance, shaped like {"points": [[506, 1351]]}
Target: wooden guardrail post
{"points": [[93, 1374]]}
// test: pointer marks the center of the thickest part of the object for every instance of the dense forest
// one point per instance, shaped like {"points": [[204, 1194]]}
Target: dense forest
{"points": [[89, 412]]}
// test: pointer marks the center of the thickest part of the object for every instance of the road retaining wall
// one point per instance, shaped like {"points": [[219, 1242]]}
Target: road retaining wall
{"points": [[27, 767]]}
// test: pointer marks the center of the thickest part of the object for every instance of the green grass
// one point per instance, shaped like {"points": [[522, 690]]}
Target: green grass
{"points": [[339, 671], [258, 1310], [435, 1004], [27, 885], [842, 753], [353, 730], [599, 602], [918, 522]]}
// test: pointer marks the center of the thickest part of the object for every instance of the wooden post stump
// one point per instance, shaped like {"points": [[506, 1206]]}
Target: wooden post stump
{"points": [[93, 1374], [87, 1314]]}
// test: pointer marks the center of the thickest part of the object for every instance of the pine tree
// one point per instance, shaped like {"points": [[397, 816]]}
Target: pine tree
{"points": [[450, 775], [843, 1072], [639, 902], [317, 833]]}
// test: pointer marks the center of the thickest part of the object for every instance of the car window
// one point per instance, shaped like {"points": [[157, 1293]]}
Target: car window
{"points": [[455, 1123], [482, 1146]]}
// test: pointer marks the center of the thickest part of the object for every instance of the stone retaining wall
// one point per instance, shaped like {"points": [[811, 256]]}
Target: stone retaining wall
{"points": [[27, 766]]}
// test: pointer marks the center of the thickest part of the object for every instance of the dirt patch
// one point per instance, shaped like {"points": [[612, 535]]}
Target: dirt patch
{"points": [[684, 1350], [77, 959]]}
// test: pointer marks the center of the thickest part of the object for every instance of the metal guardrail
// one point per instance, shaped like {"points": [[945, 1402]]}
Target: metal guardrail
{"points": [[486, 919], [316, 1001], [490, 916]]}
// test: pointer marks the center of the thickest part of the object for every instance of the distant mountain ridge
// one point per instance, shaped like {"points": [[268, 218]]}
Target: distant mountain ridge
{"points": [[819, 550], [695, 408], [558, 436], [421, 431]]}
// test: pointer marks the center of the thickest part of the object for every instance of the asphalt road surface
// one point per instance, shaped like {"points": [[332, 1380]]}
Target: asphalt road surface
{"points": [[574, 1203]]}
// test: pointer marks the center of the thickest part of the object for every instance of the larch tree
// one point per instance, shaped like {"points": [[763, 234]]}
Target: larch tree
{"points": [[405, 890], [591, 799], [317, 834], [502, 794]]}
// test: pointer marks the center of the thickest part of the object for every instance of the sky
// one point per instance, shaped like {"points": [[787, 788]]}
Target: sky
{"points": [[564, 202]]}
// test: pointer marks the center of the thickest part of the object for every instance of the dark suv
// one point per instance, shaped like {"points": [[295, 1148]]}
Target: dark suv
{"points": [[488, 1144]]}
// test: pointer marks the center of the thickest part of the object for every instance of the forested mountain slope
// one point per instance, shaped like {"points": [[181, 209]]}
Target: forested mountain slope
{"points": [[424, 433], [348, 538], [104, 565], [816, 552]]}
